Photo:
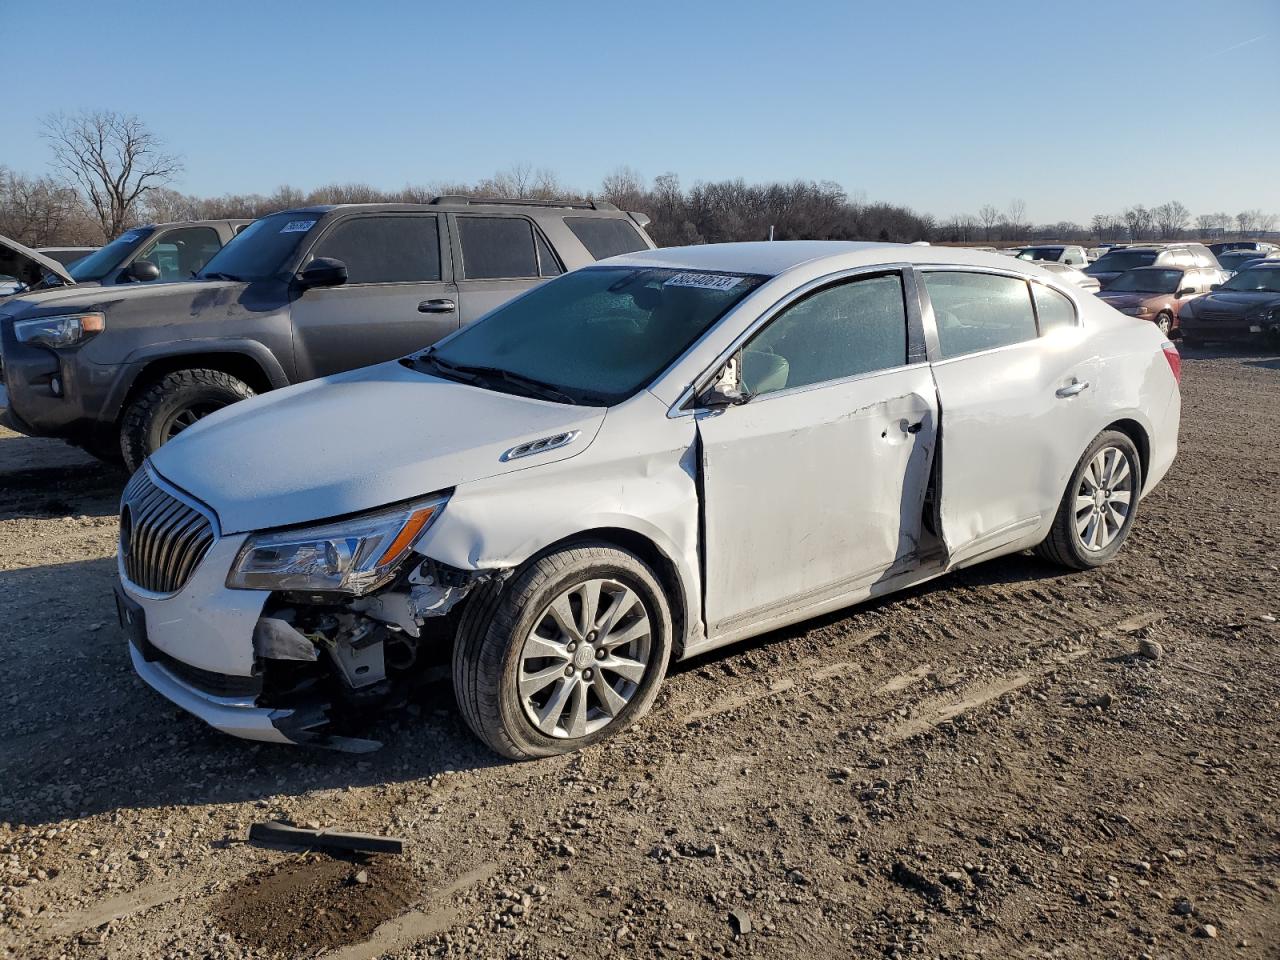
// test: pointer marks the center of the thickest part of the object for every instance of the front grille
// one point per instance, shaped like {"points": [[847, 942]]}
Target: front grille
{"points": [[162, 538], [1217, 315]]}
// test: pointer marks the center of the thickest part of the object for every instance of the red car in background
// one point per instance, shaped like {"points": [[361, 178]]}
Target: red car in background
{"points": [[1158, 293]]}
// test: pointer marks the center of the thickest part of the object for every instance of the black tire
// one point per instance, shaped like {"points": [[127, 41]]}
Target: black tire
{"points": [[161, 409], [490, 640], [1164, 322], [1064, 545]]}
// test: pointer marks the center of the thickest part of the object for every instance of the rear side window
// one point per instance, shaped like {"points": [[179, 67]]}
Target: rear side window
{"points": [[1053, 309], [402, 249], [850, 329], [550, 265], [979, 311], [606, 237], [497, 248]]}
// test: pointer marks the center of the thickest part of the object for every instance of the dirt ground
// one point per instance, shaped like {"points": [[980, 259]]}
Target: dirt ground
{"points": [[980, 767]]}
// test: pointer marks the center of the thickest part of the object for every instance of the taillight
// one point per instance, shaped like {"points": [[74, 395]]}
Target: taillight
{"points": [[1175, 360]]}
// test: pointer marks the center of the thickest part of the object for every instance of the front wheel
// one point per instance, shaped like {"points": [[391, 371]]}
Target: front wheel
{"points": [[1098, 507], [1164, 323], [569, 652], [166, 407]]}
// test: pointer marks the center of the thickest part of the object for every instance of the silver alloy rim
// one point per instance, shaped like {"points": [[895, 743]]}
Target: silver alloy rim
{"points": [[1104, 499], [585, 658], [1163, 324]]}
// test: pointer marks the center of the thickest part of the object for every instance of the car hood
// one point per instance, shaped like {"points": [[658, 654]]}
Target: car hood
{"points": [[28, 265], [1121, 300], [191, 295], [1238, 302], [357, 441]]}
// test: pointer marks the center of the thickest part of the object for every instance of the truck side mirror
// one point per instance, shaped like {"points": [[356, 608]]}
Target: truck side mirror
{"points": [[323, 272], [143, 271]]}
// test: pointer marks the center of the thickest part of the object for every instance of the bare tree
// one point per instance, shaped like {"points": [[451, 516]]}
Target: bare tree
{"points": [[989, 216], [113, 158], [1170, 218], [1266, 222], [1017, 217], [1138, 219]]}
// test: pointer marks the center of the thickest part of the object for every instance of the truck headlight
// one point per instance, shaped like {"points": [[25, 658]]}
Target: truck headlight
{"points": [[62, 331], [352, 556]]}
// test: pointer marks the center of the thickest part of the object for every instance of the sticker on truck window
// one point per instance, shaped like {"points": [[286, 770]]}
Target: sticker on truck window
{"points": [[133, 235], [703, 281], [297, 226]]}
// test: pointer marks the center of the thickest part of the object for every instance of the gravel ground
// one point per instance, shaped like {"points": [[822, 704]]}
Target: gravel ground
{"points": [[985, 765]]}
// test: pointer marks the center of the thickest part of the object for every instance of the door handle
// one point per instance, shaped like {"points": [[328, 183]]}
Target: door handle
{"points": [[437, 306], [1073, 388]]}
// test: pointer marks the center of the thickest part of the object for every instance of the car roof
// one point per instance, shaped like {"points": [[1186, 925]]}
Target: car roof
{"points": [[472, 204], [772, 258]]}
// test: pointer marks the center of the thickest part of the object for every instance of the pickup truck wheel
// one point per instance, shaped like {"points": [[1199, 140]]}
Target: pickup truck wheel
{"points": [[569, 652], [1098, 507], [163, 409]]}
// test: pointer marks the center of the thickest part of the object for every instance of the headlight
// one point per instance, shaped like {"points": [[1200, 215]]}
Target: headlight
{"points": [[64, 331], [1135, 311], [349, 556]]}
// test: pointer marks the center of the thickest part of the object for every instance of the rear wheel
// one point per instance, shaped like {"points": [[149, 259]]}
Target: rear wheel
{"points": [[1098, 507], [568, 653], [163, 409]]}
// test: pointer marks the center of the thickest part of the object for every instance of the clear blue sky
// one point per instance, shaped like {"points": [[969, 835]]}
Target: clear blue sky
{"points": [[1075, 106]]}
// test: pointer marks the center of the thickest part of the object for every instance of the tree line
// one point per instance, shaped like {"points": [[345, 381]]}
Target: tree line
{"points": [[109, 172]]}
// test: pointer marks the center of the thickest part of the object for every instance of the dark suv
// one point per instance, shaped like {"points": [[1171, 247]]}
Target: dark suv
{"points": [[297, 295]]}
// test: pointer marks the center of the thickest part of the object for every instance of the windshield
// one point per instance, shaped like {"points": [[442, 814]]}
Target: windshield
{"points": [[1119, 261], [101, 262], [260, 249], [1255, 280], [1233, 260], [1147, 281], [1040, 253], [593, 336]]}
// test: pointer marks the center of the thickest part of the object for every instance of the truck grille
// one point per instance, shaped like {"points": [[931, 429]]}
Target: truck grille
{"points": [[162, 538]]}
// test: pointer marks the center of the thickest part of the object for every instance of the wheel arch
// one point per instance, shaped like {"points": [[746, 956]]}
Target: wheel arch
{"points": [[256, 367], [1136, 432]]}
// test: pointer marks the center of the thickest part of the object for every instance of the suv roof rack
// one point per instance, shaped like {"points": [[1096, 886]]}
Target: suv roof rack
{"points": [[498, 201]]}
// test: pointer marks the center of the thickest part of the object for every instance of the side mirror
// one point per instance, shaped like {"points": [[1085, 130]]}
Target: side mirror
{"points": [[726, 390], [143, 271], [1186, 291], [323, 272]]}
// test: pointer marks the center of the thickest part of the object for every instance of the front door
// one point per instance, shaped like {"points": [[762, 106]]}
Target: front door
{"points": [[1017, 385], [393, 303], [815, 487]]}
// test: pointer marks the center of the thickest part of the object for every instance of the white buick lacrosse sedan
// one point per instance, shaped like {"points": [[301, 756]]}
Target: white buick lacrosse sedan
{"points": [[636, 462]]}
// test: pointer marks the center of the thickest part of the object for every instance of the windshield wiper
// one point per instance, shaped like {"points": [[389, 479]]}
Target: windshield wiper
{"points": [[474, 374], [221, 276]]}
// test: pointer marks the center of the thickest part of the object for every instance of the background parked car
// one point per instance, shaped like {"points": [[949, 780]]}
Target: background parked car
{"points": [[299, 294], [1115, 262], [157, 251], [1159, 293], [1261, 246], [1246, 307], [1235, 260], [1072, 256], [1072, 274]]}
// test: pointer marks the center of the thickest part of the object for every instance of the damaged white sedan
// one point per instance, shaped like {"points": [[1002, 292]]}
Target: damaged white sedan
{"points": [[636, 462]]}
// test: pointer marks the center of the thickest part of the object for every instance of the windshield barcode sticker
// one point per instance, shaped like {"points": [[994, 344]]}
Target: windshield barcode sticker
{"points": [[704, 281], [298, 226]]}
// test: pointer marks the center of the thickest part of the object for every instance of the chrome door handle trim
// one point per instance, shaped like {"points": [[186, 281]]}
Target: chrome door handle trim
{"points": [[1073, 388], [437, 306]]}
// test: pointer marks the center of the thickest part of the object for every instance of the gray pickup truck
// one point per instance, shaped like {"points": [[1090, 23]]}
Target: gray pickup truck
{"points": [[296, 295]]}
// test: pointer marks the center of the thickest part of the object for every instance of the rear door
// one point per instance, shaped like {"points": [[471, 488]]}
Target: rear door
{"points": [[499, 257], [1016, 386], [815, 486], [395, 300]]}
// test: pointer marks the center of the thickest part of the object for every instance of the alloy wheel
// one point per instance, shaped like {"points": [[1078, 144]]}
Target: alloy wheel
{"points": [[186, 417], [585, 658], [1104, 499]]}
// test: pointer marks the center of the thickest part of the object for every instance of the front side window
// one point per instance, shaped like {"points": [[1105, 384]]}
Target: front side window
{"points": [[181, 254], [606, 236], [392, 249], [497, 248], [596, 335], [979, 311], [1053, 309], [841, 331]]}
